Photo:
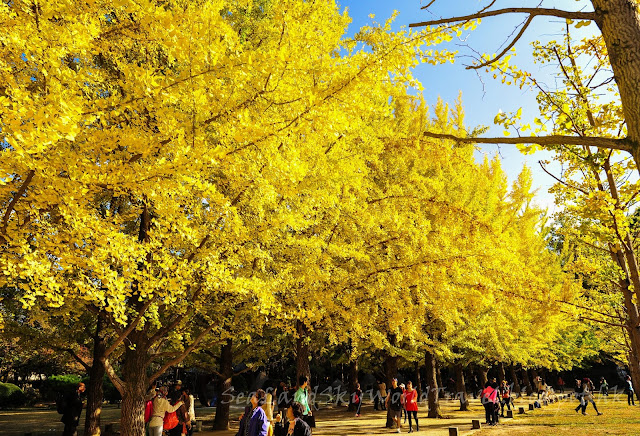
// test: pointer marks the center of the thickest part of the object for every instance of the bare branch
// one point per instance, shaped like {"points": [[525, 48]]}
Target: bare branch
{"points": [[591, 141], [560, 180], [533, 12], [506, 49]]}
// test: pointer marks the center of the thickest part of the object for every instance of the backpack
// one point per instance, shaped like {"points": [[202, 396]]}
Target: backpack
{"points": [[61, 403], [356, 398], [170, 420], [148, 411]]}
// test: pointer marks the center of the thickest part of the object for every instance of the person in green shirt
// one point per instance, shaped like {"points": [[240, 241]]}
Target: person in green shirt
{"points": [[301, 396]]}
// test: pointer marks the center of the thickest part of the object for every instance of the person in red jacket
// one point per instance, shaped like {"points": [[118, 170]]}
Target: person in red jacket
{"points": [[490, 398], [411, 404]]}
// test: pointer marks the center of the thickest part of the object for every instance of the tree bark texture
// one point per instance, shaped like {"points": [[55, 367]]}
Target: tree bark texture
{"points": [[221, 421], [461, 388], [390, 372], [96, 382], [517, 389], [353, 380], [134, 376], [483, 373], [501, 374], [619, 22], [433, 394], [302, 352]]}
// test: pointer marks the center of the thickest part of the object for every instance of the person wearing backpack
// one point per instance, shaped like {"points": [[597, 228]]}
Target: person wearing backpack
{"points": [[71, 408], [489, 398], [161, 407], [178, 422], [356, 399]]}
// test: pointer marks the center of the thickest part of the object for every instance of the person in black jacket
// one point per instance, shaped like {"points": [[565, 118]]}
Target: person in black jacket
{"points": [[293, 425], [72, 410]]}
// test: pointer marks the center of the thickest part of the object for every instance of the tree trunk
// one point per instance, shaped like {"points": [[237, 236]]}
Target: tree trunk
{"points": [[501, 375], [390, 372], [483, 373], [302, 352], [418, 382], [96, 382], [517, 389], [221, 421], [619, 22], [353, 380], [134, 376], [527, 381], [461, 388], [433, 393]]}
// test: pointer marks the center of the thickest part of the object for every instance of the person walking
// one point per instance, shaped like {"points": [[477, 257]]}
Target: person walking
{"points": [[160, 406], [254, 421], [505, 397], [587, 396], [302, 396], [604, 387], [72, 410], [489, 398], [395, 402], [411, 404], [629, 390], [356, 399], [381, 395]]}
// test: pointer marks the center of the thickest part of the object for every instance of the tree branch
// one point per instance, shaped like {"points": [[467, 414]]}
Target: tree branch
{"points": [[117, 381], [123, 335], [506, 49], [182, 355], [14, 200], [533, 12], [591, 141]]}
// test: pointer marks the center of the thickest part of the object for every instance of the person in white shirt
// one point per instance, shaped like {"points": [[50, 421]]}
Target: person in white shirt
{"points": [[160, 406], [191, 411]]}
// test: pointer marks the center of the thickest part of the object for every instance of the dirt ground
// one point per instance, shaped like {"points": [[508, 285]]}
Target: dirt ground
{"points": [[555, 419]]}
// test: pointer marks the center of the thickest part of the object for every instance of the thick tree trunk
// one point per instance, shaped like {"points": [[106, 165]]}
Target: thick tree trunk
{"points": [[433, 393], [134, 376], [418, 382], [390, 372], [353, 380], [619, 22], [461, 388], [483, 375], [96, 382], [516, 389], [221, 421], [302, 352], [527, 381], [501, 374]]}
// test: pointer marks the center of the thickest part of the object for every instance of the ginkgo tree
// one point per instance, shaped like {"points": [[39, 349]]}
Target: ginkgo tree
{"points": [[143, 143]]}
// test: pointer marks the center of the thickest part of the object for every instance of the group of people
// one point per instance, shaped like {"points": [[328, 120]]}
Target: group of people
{"points": [[294, 417], [402, 400], [170, 409], [495, 397], [584, 393]]}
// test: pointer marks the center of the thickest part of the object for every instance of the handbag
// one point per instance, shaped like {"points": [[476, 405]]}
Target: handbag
{"points": [[310, 420]]}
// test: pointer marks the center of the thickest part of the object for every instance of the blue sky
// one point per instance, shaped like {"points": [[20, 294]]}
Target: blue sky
{"points": [[482, 96]]}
